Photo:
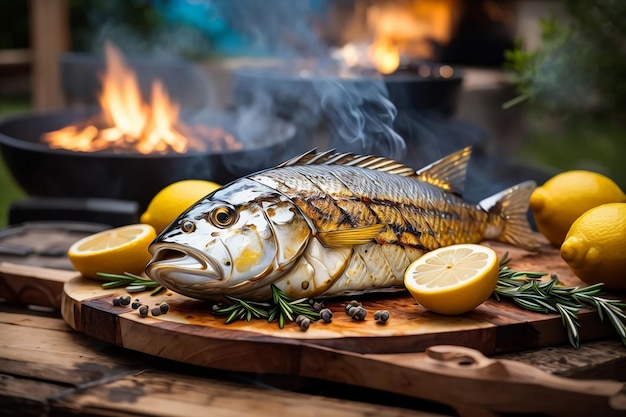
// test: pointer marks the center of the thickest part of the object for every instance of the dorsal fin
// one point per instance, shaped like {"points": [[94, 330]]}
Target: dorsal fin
{"points": [[331, 157], [449, 172]]}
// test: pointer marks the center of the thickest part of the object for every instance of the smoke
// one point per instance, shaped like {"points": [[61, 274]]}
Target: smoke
{"points": [[306, 89], [365, 114]]}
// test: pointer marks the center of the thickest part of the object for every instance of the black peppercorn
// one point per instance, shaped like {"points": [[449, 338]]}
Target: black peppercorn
{"points": [[303, 321], [358, 313], [326, 315], [381, 316], [143, 310]]}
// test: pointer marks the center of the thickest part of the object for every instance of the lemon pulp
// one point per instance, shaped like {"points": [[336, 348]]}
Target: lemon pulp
{"points": [[114, 251], [453, 279]]}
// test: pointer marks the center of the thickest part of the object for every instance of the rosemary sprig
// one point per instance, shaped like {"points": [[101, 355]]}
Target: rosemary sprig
{"points": [[281, 308], [527, 290], [132, 282]]}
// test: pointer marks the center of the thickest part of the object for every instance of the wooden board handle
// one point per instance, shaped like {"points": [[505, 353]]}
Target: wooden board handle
{"points": [[467, 380]]}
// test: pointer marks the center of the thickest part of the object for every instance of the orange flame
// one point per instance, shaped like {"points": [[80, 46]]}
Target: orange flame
{"points": [[384, 55], [402, 28], [127, 122]]}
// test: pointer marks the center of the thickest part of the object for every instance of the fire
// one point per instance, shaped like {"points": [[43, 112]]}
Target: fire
{"points": [[401, 28], [385, 56], [127, 122]]}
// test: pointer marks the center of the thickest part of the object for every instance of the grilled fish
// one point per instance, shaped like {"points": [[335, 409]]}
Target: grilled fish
{"points": [[329, 224]]}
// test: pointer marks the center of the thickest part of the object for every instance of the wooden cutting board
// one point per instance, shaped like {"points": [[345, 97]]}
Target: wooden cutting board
{"points": [[191, 333]]}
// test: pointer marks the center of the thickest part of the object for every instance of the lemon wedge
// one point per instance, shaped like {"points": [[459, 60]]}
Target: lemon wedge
{"points": [[453, 279], [114, 251]]}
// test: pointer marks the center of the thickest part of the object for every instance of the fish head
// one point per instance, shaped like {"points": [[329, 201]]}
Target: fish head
{"points": [[235, 241]]}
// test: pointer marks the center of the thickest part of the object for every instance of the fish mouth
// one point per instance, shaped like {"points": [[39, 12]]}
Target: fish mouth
{"points": [[182, 265]]}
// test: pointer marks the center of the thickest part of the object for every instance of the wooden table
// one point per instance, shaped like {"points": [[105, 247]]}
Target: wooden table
{"points": [[46, 368]]}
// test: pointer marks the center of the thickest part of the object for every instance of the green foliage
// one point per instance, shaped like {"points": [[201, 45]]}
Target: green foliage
{"points": [[580, 64], [93, 21], [591, 142]]}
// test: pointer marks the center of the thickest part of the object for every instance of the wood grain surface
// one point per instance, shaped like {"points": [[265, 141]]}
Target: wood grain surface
{"points": [[191, 333], [416, 354]]}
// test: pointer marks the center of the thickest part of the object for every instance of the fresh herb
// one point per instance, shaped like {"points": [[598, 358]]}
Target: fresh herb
{"points": [[527, 290], [281, 308], [132, 282]]}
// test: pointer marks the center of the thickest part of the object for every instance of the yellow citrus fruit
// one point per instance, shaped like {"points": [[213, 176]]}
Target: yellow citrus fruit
{"points": [[172, 200], [114, 251], [563, 198], [453, 279], [595, 246]]}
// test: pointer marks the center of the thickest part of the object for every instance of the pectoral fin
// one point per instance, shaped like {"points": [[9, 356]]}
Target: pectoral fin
{"points": [[347, 237]]}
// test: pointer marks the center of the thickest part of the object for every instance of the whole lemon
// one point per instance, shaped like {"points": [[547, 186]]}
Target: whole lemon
{"points": [[595, 246], [563, 198], [172, 200]]}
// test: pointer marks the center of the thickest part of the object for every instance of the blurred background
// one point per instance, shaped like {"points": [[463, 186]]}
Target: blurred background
{"points": [[537, 86]]}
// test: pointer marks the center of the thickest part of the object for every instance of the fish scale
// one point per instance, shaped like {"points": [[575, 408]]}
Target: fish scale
{"points": [[390, 204], [325, 224]]}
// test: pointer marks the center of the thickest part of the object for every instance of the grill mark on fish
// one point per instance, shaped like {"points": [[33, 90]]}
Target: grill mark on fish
{"points": [[340, 208], [353, 229]]}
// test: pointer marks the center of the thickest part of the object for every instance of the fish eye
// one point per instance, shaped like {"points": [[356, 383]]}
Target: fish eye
{"points": [[188, 226], [223, 216]]}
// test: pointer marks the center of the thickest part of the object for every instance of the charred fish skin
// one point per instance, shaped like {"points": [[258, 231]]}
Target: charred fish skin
{"points": [[327, 224]]}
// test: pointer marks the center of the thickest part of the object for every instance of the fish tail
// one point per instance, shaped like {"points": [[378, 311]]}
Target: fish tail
{"points": [[508, 216]]}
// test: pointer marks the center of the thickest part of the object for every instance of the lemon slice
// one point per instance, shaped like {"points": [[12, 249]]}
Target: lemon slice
{"points": [[453, 279], [114, 251]]}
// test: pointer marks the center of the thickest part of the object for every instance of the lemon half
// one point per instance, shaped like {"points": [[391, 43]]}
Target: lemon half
{"points": [[114, 251], [453, 279]]}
